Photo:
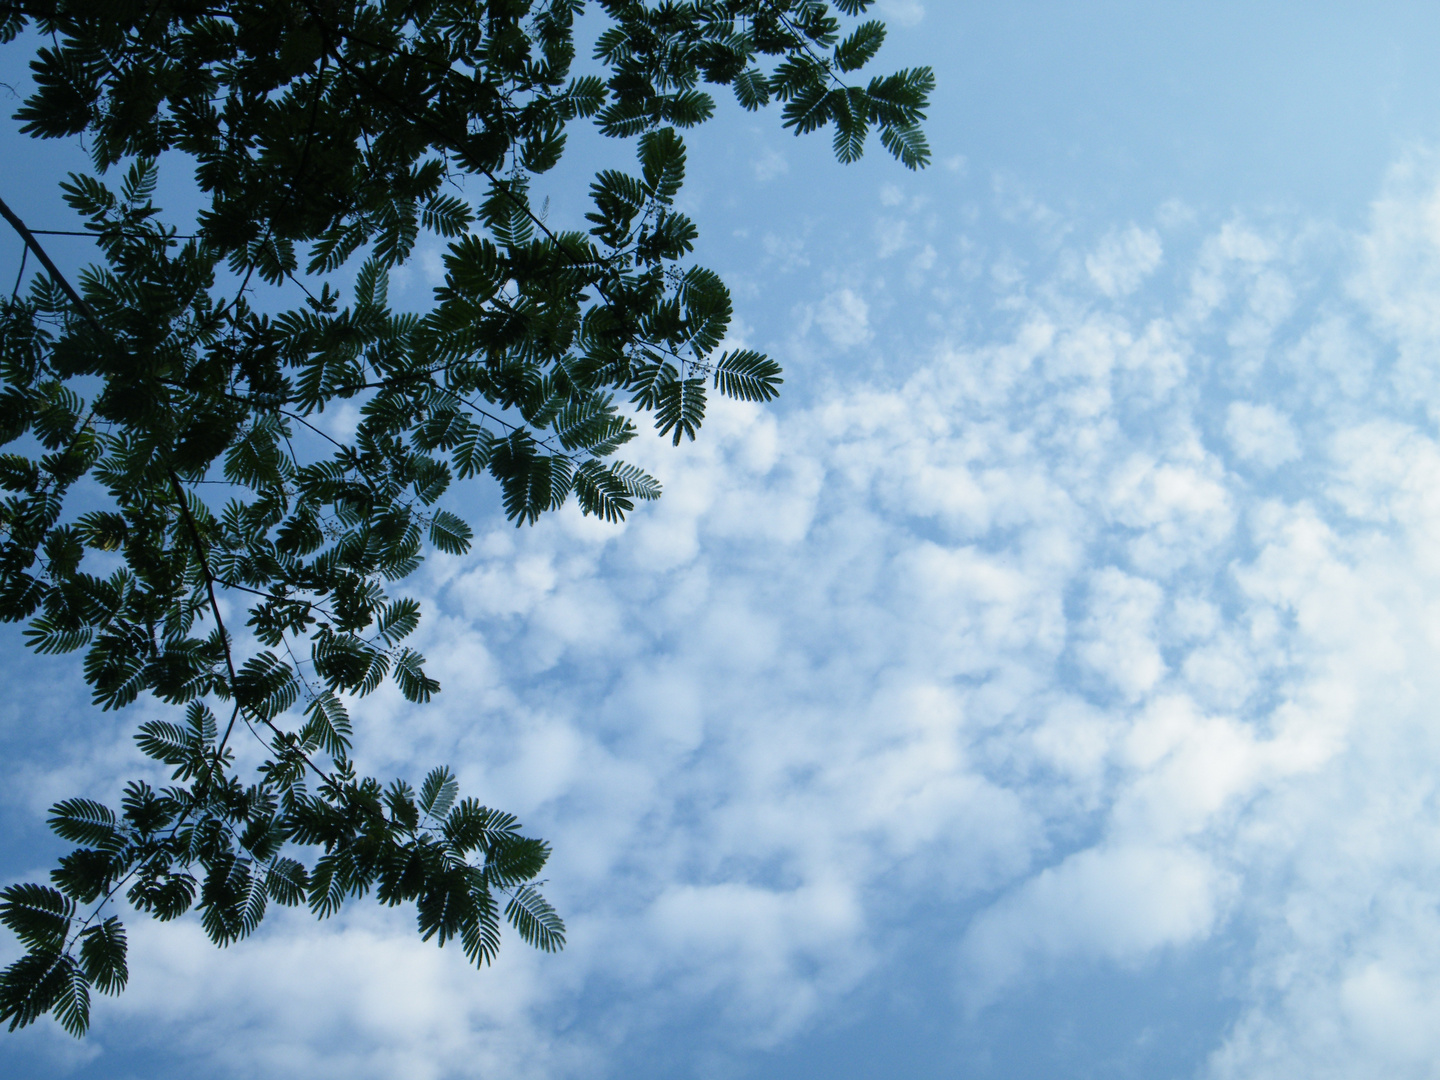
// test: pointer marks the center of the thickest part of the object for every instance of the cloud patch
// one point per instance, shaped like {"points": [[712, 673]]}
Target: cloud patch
{"points": [[1032, 632], [1123, 260], [1261, 434]]}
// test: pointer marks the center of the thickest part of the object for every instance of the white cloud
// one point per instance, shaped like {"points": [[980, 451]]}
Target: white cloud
{"points": [[844, 318], [1399, 274], [423, 271], [891, 235], [354, 1000], [1180, 509], [902, 12], [1006, 634], [1123, 260], [1261, 434], [1121, 904], [1117, 637], [774, 939], [770, 164]]}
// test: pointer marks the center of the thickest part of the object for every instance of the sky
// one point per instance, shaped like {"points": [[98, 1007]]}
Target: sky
{"points": [[1044, 686]]}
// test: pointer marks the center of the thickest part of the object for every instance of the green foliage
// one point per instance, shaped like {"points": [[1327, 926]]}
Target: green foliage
{"points": [[328, 138], [747, 375]]}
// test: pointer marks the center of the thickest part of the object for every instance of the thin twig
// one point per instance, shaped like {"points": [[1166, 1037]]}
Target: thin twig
{"points": [[100, 236], [214, 603], [54, 271], [20, 277]]}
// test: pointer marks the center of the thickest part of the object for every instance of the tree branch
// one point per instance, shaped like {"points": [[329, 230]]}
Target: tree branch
{"points": [[50, 267]]}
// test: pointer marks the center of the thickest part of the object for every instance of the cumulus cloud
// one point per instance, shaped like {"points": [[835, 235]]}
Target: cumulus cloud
{"points": [[1118, 641], [1022, 632], [1398, 275], [1261, 434], [1121, 904], [844, 318], [1123, 260]]}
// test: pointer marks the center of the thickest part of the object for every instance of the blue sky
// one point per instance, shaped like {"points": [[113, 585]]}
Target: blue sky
{"points": [[1044, 687]]}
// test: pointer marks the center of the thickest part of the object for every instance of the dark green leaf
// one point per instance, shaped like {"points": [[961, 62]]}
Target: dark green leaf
{"points": [[38, 915], [449, 533], [103, 955], [535, 920], [437, 793], [747, 375]]}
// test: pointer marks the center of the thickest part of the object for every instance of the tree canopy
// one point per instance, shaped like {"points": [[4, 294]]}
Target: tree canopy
{"points": [[166, 450]]}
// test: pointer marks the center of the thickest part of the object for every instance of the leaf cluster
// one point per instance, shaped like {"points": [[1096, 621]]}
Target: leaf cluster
{"points": [[327, 138]]}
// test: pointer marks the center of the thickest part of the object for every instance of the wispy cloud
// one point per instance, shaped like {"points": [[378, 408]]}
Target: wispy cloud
{"points": [[1123, 260]]}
